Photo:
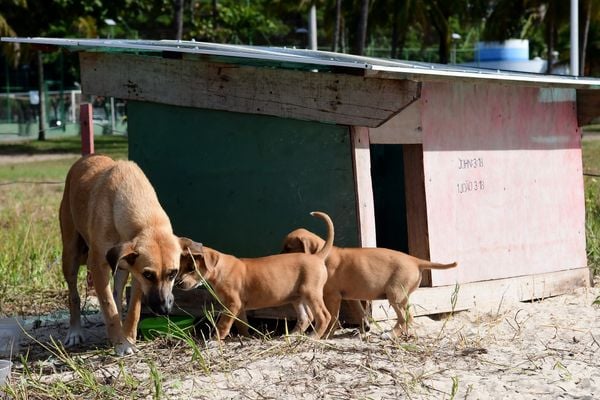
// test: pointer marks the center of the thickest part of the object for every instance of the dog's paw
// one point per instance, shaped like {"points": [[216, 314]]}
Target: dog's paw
{"points": [[74, 338], [213, 343], [389, 335], [125, 349]]}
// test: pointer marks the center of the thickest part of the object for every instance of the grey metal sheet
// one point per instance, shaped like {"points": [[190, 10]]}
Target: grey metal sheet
{"points": [[373, 66]]}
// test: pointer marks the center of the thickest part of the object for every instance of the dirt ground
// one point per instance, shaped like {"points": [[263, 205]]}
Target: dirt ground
{"points": [[546, 349]]}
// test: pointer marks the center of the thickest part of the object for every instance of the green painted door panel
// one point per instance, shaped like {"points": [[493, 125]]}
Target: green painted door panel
{"points": [[240, 182]]}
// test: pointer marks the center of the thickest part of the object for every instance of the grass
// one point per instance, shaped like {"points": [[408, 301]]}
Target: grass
{"points": [[31, 279], [591, 167], [112, 145]]}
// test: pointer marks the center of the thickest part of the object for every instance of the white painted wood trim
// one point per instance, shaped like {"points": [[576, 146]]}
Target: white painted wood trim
{"points": [[488, 294], [365, 205]]}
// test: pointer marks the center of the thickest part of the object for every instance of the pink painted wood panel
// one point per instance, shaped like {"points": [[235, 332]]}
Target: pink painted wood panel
{"points": [[503, 180]]}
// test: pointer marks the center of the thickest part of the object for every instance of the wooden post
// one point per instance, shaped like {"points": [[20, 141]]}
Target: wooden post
{"points": [[364, 188], [416, 206], [87, 129]]}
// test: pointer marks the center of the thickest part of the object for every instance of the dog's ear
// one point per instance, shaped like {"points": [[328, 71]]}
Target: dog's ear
{"points": [[123, 251], [307, 245], [211, 259], [195, 248], [296, 244]]}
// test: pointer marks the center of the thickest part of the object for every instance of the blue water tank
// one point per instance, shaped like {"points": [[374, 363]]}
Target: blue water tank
{"points": [[509, 50]]}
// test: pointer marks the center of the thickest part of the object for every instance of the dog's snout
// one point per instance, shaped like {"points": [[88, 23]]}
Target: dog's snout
{"points": [[160, 305]]}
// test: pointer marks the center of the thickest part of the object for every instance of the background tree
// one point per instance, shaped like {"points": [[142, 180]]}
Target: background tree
{"points": [[361, 29]]}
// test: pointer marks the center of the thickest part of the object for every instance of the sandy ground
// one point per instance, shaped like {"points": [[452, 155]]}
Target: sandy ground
{"points": [[539, 350]]}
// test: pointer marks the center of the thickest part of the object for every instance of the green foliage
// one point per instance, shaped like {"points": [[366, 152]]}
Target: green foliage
{"points": [[238, 23], [422, 28]]}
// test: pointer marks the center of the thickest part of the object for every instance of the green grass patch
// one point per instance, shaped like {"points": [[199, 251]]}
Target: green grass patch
{"points": [[112, 145], [591, 128], [31, 280], [591, 165]]}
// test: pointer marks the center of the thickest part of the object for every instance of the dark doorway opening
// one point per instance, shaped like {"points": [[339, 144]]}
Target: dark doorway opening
{"points": [[387, 175]]}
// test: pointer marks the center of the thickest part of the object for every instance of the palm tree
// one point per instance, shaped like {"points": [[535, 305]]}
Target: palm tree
{"points": [[11, 51]]}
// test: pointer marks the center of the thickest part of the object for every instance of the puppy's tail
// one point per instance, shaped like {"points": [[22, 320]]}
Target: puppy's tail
{"points": [[424, 264], [324, 252]]}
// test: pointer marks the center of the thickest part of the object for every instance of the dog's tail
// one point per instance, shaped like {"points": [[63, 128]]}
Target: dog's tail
{"points": [[324, 252], [424, 264]]}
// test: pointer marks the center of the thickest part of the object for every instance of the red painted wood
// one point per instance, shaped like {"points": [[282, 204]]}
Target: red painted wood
{"points": [[87, 129], [503, 180]]}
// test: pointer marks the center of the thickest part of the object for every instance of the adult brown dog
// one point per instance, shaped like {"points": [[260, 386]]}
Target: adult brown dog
{"points": [[252, 283], [365, 274], [110, 217]]}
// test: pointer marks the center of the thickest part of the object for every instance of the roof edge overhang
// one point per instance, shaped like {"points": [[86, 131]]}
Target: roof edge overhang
{"points": [[373, 67], [587, 89]]}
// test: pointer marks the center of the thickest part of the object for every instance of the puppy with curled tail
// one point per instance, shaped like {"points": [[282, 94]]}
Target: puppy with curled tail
{"points": [[365, 274]]}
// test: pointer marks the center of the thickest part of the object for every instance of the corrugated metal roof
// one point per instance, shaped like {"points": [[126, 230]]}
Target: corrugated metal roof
{"points": [[318, 59]]}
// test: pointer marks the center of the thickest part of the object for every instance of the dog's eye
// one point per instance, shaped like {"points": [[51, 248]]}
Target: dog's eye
{"points": [[148, 275], [172, 275]]}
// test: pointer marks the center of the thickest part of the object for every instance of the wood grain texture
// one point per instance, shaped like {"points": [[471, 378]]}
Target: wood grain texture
{"points": [[402, 128], [364, 187], [416, 210], [326, 97], [488, 294], [503, 180]]}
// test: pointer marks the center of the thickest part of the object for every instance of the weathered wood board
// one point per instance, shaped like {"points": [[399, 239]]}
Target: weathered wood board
{"points": [[325, 97], [403, 128], [503, 181], [364, 187], [488, 295]]}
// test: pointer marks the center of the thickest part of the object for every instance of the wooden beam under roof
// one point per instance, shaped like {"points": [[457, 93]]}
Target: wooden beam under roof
{"points": [[325, 97]]}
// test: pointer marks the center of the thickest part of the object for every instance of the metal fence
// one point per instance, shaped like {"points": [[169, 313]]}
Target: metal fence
{"points": [[20, 113]]}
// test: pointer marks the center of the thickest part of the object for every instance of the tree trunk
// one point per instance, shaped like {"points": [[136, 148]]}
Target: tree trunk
{"points": [[338, 23], [215, 15], [584, 39], [550, 37], [178, 9], [443, 50], [394, 52], [343, 39], [361, 34], [42, 103]]}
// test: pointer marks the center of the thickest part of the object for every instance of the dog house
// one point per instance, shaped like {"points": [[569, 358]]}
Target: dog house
{"points": [[482, 167]]}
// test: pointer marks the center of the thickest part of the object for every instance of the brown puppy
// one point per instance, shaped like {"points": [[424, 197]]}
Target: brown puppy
{"points": [[365, 274], [254, 283], [110, 217]]}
